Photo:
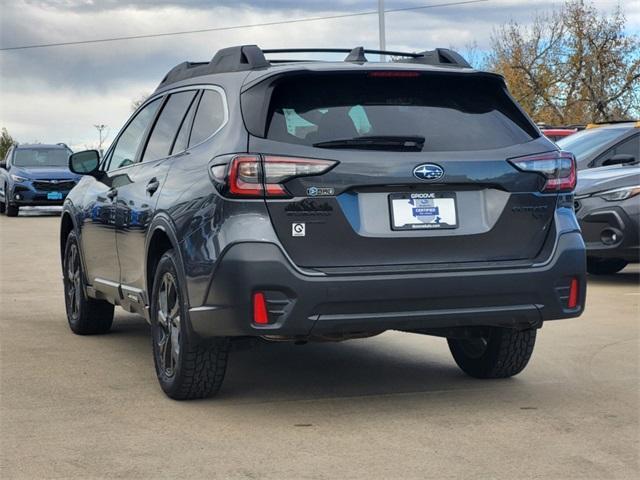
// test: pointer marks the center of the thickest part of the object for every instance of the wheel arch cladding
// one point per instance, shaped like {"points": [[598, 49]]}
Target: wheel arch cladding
{"points": [[159, 243], [66, 226]]}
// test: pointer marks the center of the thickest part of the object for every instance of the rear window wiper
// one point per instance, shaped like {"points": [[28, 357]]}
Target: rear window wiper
{"points": [[409, 143]]}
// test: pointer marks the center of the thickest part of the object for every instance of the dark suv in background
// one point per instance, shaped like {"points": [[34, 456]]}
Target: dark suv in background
{"points": [[35, 175], [314, 201], [607, 198]]}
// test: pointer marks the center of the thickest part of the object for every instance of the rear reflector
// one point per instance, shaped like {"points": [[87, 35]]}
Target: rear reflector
{"points": [[558, 168], [260, 314], [573, 293]]}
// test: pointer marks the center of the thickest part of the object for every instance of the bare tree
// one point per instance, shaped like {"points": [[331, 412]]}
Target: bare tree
{"points": [[572, 65], [135, 103]]}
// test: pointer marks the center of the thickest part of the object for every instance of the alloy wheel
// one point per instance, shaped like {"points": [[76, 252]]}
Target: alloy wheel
{"points": [[168, 328], [74, 283]]}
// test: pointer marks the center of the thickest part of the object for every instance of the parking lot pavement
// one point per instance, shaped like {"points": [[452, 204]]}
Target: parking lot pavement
{"points": [[394, 406]]}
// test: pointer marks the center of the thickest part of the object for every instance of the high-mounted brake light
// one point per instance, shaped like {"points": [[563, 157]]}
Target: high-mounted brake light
{"points": [[558, 168], [257, 176], [394, 74]]}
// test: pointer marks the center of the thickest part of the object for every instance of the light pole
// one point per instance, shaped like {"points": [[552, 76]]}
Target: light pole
{"points": [[381, 32], [100, 129]]}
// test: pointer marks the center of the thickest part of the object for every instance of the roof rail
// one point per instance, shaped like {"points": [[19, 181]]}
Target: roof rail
{"points": [[252, 57], [439, 56], [232, 59]]}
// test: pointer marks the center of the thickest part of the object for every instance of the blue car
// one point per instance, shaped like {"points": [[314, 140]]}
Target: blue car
{"points": [[35, 175]]}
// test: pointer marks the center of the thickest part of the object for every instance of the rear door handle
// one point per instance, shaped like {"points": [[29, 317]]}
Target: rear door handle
{"points": [[152, 186], [111, 194]]}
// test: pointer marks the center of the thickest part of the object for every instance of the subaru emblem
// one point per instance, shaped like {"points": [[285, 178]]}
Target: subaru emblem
{"points": [[428, 171]]}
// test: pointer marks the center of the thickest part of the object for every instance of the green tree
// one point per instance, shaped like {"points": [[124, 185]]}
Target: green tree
{"points": [[5, 142]]}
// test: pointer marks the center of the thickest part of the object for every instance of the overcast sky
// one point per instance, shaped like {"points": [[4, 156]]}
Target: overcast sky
{"points": [[57, 94]]}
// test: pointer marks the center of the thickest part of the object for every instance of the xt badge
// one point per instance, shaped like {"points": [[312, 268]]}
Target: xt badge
{"points": [[298, 229]]}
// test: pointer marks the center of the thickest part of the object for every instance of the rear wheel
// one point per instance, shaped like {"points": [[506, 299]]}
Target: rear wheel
{"points": [[605, 266], [499, 353], [187, 368], [86, 316]]}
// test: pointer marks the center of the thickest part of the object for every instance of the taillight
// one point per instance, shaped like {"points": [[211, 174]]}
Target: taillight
{"points": [[245, 178], [558, 168], [257, 176]]}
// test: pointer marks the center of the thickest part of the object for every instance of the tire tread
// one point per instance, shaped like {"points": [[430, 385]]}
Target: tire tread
{"points": [[96, 316], [508, 352], [203, 362]]}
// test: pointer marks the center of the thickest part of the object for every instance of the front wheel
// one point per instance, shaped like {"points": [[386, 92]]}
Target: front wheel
{"points": [[186, 368], [605, 266], [498, 353], [10, 210]]}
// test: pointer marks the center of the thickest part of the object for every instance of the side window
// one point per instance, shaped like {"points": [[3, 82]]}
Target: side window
{"points": [[166, 127], [182, 140], [209, 117], [124, 153], [630, 146]]}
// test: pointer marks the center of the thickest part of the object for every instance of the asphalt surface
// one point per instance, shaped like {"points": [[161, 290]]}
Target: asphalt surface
{"points": [[393, 406]]}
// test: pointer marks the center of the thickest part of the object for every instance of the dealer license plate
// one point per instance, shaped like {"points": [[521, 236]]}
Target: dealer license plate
{"points": [[418, 211]]}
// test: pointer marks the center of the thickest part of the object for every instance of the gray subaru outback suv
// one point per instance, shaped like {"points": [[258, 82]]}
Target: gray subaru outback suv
{"points": [[254, 197]]}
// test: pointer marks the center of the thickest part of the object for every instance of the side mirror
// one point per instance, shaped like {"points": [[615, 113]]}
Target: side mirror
{"points": [[3, 164], [620, 159], [85, 163]]}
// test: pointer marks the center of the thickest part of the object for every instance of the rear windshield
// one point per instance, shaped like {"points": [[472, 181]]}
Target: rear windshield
{"points": [[41, 157], [451, 112]]}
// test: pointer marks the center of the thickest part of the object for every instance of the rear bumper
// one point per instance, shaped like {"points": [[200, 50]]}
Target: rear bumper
{"points": [[301, 304]]}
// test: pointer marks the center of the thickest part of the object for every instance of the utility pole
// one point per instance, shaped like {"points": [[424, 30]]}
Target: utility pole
{"points": [[101, 139], [381, 32]]}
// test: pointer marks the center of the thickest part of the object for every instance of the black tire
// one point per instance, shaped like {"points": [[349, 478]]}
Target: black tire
{"points": [[186, 368], [605, 266], [86, 316], [10, 210], [2, 207], [502, 353]]}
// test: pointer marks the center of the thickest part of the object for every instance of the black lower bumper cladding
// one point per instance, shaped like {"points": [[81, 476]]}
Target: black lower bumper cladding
{"points": [[301, 304]]}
